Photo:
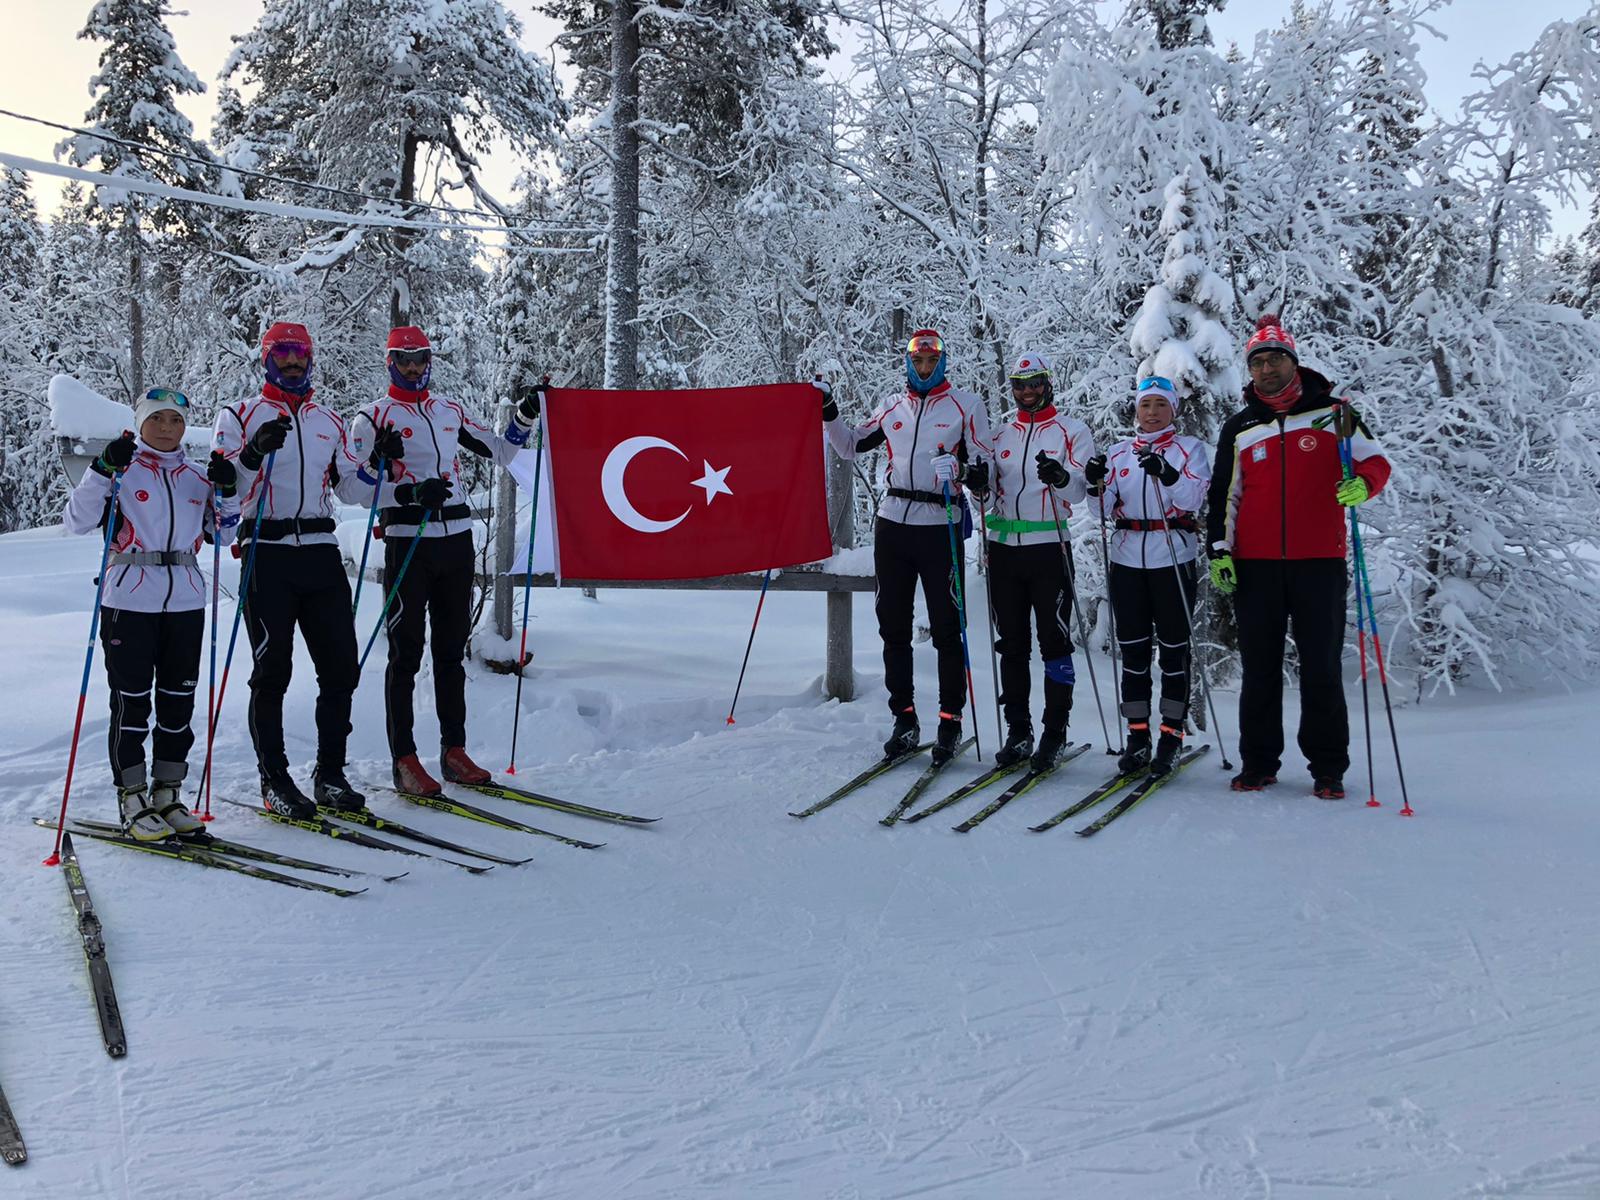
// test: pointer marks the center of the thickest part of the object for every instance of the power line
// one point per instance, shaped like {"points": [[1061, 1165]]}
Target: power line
{"points": [[218, 165]]}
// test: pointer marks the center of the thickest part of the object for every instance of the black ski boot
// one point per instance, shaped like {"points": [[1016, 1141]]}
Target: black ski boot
{"points": [[1019, 745], [1167, 750], [907, 733], [1051, 743], [1137, 756], [333, 790], [946, 740], [280, 794]]}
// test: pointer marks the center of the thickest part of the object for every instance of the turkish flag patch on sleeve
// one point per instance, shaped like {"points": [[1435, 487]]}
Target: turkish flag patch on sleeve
{"points": [[686, 484]]}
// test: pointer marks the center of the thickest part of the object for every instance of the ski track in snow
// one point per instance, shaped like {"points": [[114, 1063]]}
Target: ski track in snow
{"points": [[1244, 997]]}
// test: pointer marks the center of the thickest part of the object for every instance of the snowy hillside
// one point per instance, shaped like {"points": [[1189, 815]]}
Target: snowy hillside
{"points": [[1220, 996]]}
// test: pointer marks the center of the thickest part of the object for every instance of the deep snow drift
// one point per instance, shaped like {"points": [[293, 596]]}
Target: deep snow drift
{"points": [[1221, 996]]}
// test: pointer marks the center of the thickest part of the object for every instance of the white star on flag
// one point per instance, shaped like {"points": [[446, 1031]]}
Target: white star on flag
{"points": [[714, 481]]}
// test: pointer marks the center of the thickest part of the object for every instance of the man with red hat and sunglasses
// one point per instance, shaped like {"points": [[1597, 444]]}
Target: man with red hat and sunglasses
{"points": [[1276, 528], [931, 430], [422, 434], [299, 575]]}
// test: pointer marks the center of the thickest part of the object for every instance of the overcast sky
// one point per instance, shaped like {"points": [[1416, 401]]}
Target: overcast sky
{"points": [[49, 67]]}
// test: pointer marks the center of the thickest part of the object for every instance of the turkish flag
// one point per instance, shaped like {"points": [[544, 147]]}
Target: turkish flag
{"points": [[686, 484]]}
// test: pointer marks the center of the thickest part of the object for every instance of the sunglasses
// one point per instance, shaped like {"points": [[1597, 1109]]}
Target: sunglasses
{"points": [[926, 344], [167, 396], [1029, 381], [411, 358], [287, 350], [1152, 382]]}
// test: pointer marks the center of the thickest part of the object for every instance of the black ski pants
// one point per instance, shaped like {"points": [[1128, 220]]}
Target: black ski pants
{"points": [[1150, 608], [1029, 586], [302, 586], [436, 585], [901, 556], [1304, 596], [151, 654]]}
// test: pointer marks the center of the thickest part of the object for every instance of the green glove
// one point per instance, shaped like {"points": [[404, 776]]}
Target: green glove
{"points": [[1353, 491], [1222, 576]]}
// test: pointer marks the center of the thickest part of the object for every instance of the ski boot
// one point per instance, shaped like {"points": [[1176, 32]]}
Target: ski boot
{"points": [[332, 790], [280, 794], [1328, 787], [140, 820], [166, 799], [905, 736], [1167, 750], [946, 739], [1252, 780], [1051, 743], [456, 767], [411, 776], [1019, 745], [1137, 756]]}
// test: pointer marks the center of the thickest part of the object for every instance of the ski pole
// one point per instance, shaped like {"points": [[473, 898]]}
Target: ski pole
{"points": [[527, 591], [366, 545], [88, 659], [216, 592], [1111, 618], [1364, 584], [394, 589], [988, 576], [765, 579], [1366, 698], [1188, 618], [1083, 627], [961, 610], [233, 637]]}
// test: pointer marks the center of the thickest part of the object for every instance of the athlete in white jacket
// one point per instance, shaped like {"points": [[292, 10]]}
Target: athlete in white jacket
{"points": [[929, 434], [422, 434], [1037, 458], [1152, 486], [153, 602]]}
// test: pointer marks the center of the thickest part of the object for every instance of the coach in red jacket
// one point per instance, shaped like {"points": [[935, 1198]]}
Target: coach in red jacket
{"points": [[1276, 528]]}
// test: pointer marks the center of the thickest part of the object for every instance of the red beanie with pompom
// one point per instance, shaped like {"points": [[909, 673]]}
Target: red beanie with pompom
{"points": [[1270, 335]]}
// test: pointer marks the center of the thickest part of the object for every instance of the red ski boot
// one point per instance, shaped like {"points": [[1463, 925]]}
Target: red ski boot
{"points": [[458, 768], [411, 776]]}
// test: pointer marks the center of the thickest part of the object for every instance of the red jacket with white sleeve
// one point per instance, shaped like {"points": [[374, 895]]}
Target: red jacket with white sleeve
{"points": [[1272, 490], [164, 507], [915, 429], [1021, 513], [1130, 497]]}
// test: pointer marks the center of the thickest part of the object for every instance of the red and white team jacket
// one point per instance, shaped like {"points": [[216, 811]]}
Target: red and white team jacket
{"points": [[435, 428], [1020, 511], [914, 429], [163, 507], [1131, 497], [312, 467], [1272, 495]]}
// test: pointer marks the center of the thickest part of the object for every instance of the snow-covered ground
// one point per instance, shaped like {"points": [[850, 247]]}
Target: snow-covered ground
{"points": [[1221, 996]]}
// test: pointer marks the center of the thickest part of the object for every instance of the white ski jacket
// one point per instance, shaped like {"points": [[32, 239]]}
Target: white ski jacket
{"points": [[163, 511], [1020, 508], [914, 430], [1130, 498]]}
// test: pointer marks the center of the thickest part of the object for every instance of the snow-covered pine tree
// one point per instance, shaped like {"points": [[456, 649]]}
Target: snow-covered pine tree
{"points": [[136, 90], [30, 491]]}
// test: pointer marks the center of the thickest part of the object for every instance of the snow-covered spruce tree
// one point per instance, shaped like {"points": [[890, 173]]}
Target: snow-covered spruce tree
{"points": [[135, 92], [30, 488]]}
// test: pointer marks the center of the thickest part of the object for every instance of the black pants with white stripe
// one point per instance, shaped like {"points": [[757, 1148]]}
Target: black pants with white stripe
{"points": [[1150, 612], [902, 555], [149, 653], [1029, 586], [437, 585]]}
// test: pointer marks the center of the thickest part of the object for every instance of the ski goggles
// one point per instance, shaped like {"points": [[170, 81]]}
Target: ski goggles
{"points": [[1156, 383], [284, 351], [411, 358], [1037, 379], [168, 396], [925, 343]]}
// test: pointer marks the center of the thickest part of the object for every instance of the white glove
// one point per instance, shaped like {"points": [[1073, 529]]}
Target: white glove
{"points": [[946, 468]]}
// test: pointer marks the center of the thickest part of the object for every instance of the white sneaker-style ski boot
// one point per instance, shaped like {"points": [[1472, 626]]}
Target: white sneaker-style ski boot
{"points": [[139, 818]]}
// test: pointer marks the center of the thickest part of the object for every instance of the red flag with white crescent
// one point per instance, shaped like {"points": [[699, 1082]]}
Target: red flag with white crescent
{"points": [[686, 484]]}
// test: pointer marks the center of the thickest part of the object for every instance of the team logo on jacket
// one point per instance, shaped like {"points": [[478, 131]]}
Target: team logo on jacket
{"points": [[1308, 441], [1124, 472], [1258, 454], [898, 425], [327, 437], [1005, 454], [141, 495], [406, 432]]}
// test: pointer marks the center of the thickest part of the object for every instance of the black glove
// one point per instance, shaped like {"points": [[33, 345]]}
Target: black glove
{"points": [[116, 456], [264, 441], [976, 476], [530, 400], [1154, 464], [222, 473], [830, 410], [430, 493], [1095, 470], [388, 444], [1050, 471]]}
